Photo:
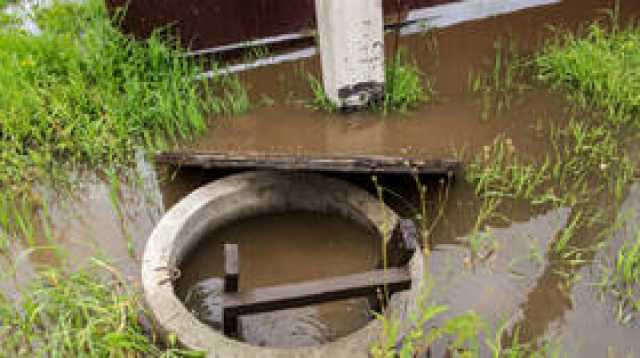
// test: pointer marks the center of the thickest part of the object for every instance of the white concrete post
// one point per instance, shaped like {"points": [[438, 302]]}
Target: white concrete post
{"points": [[351, 34]]}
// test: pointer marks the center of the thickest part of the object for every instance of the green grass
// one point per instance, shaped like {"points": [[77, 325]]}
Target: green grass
{"points": [[320, 99], [587, 161], [500, 173], [461, 331], [498, 86], [590, 162], [599, 70], [4, 3], [6, 19], [83, 93], [405, 88], [92, 312], [561, 244], [622, 280], [466, 335]]}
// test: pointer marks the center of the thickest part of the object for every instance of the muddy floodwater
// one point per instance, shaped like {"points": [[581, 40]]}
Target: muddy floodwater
{"points": [[516, 282], [451, 124], [280, 249]]}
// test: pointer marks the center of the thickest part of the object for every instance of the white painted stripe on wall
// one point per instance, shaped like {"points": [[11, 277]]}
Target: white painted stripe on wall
{"points": [[455, 13], [267, 61]]}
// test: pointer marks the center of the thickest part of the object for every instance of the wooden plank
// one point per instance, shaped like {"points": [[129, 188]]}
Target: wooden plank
{"points": [[360, 164], [275, 298], [231, 268]]}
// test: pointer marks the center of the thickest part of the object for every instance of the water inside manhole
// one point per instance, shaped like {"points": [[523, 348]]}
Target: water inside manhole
{"points": [[279, 249]]}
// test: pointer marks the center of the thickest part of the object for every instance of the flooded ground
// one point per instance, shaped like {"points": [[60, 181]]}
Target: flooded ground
{"points": [[448, 126], [516, 281]]}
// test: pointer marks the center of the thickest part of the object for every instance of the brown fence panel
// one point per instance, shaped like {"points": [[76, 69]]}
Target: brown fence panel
{"points": [[209, 23]]}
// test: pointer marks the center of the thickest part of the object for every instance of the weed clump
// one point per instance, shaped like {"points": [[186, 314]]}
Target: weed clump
{"points": [[599, 70], [622, 280], [81, 92], [498, 173], [89, 313], [466, 335], [505, 79], [404, 88], [320, 99]]}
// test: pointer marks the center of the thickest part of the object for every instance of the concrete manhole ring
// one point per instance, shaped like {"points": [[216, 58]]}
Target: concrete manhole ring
{"points": [[242, 196]]}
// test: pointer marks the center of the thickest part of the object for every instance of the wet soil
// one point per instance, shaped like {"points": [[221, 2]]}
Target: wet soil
{"points": [[517, 282]]}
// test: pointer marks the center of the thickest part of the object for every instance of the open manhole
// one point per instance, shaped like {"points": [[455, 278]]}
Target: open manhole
{"points": [[277, 250], [308, 253]]}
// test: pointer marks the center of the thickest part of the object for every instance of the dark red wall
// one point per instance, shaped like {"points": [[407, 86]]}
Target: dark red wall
{"points": [[209, 23]]}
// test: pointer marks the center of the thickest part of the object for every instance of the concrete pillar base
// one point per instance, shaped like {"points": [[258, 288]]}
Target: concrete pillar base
{"points": [[351, 35]]}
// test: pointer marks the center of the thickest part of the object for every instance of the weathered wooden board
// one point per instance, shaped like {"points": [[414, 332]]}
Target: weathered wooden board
{"points": [[231, 267], [358, 164], [281, 297], [267, 299], [400, 248]]}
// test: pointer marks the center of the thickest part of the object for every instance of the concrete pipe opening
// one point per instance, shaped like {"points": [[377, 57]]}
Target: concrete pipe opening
{"points": [[249, 195]]}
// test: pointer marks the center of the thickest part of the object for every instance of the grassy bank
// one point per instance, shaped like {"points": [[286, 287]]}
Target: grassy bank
{"points": [[597, 71], [92, 312], [83, 93]]}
